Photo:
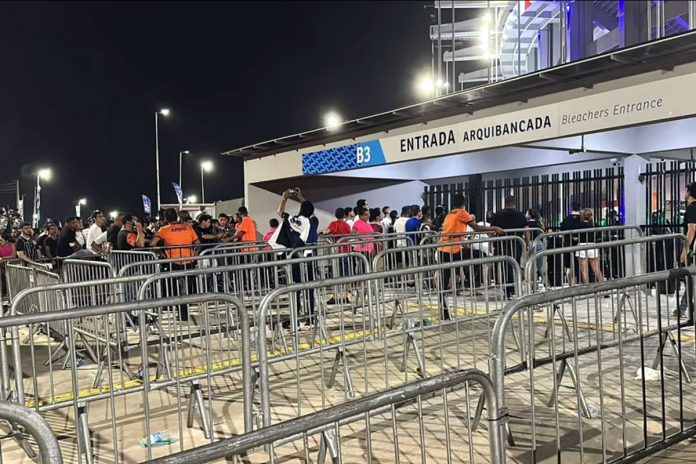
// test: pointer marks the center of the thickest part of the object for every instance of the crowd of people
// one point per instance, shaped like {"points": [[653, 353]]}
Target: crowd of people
{"points": [[76, 239]]}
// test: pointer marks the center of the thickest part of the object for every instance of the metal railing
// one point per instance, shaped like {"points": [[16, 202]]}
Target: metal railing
{"points": [[600, 359], [32, 423], [327, 424]]}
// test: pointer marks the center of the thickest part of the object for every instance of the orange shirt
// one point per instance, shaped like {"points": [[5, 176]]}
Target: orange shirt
{"points": [[248, 229], [177, 235], [454, 223]]}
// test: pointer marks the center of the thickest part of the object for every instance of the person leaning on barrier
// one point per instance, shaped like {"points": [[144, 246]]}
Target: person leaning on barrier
{"points": [[69, 246], [25, 246], [456, 222], [131, 234], [686, 258]]}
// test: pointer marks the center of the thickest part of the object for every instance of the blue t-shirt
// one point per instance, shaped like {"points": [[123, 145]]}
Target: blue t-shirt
{"points": [[412, 226]]}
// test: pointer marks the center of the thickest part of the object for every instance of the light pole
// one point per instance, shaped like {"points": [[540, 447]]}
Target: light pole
{"points": [[181, 154], [78, 204], [45, 174], [163, 112], [206, 166]]}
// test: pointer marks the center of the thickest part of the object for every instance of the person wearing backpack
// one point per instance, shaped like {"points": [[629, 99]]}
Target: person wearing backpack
{"points": [[298, 231]]}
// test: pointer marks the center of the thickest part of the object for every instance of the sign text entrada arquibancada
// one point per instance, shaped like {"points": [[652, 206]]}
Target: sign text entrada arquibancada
{"points": [[447, 137]]}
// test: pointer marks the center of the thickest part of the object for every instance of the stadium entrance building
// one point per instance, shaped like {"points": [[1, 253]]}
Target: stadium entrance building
{"points": [[601, 131]]}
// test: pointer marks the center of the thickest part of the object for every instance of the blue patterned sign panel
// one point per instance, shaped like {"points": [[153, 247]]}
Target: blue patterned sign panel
{"points": [[345, 158]]}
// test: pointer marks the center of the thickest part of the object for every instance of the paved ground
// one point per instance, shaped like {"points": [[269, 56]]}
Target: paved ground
{"points": [[623, 411]]}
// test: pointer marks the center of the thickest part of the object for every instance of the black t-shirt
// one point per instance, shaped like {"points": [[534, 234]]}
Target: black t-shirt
{"points": [[28, 247], [689, 217], [67, 236], [509, 219], [112, 236], [52, 244], [40, 241], [571, 222], [207, 231]]}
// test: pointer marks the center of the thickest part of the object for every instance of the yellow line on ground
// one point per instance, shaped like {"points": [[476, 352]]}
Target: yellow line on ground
{"points": [[187, 373]]}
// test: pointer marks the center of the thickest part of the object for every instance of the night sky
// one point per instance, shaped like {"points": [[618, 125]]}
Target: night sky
{"points": [[81, 82]]}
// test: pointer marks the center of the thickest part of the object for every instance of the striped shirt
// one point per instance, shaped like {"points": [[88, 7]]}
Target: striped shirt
{"points": [[28, 246]]}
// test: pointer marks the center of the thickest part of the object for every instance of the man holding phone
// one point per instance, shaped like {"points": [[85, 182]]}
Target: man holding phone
{"points": [[131, 235]]}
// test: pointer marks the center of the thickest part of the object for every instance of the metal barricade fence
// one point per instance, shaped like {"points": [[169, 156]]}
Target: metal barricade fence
{"points": [[558, 267], [631, 390], [568, 238], [435, 332], [206, 391], [24, 421], [358, 431], [118, 259], [427, 254]]}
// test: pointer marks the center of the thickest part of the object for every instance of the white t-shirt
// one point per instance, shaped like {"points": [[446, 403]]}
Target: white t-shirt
{"points": [[386, 223], [350, 223], [93, 233], [400, 228]]}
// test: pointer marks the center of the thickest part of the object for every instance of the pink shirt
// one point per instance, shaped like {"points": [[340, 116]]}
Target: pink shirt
{"points": [[364, 228], [6, 251], [268, 234]]}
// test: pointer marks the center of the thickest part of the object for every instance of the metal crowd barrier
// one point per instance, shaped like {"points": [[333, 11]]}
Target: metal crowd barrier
{"points": [[631, 391], [335, 427], [373, 358], [57, 393], [119, 259], [24, 421]]}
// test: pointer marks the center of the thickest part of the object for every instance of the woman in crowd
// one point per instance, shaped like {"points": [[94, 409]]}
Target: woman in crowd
{"points": [[362, 227], [588, 257], [7, 248], [376, 220]]}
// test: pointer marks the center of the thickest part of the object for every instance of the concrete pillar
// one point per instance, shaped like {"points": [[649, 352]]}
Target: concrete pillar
{"points": [[635, 210]]}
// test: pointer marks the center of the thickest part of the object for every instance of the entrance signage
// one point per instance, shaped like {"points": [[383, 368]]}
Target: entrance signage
{"points": [[637, 104]]}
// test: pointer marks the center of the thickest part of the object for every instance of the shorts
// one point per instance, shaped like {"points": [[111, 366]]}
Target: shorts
{"points": [[587, 254]]}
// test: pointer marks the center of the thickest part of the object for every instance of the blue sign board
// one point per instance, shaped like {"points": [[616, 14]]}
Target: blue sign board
{"points": [[345, 158]]}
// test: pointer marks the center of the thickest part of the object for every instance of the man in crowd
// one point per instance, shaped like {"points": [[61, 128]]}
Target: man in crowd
{"points": [[131, 235], [571, 222], [246, 232], [68, 244], [224, 225], [687, 255], [182, 237], [350, 216], [413, 224], [25, 246], [95, 230], [205, 231], [439, 218], [510, 218], [386, 220], [42, 237], [112, 233], [51, 243], [456, 222]]}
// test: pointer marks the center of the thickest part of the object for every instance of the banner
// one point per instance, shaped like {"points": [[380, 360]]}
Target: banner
{"points": [[179, 193], [147, 204]]}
